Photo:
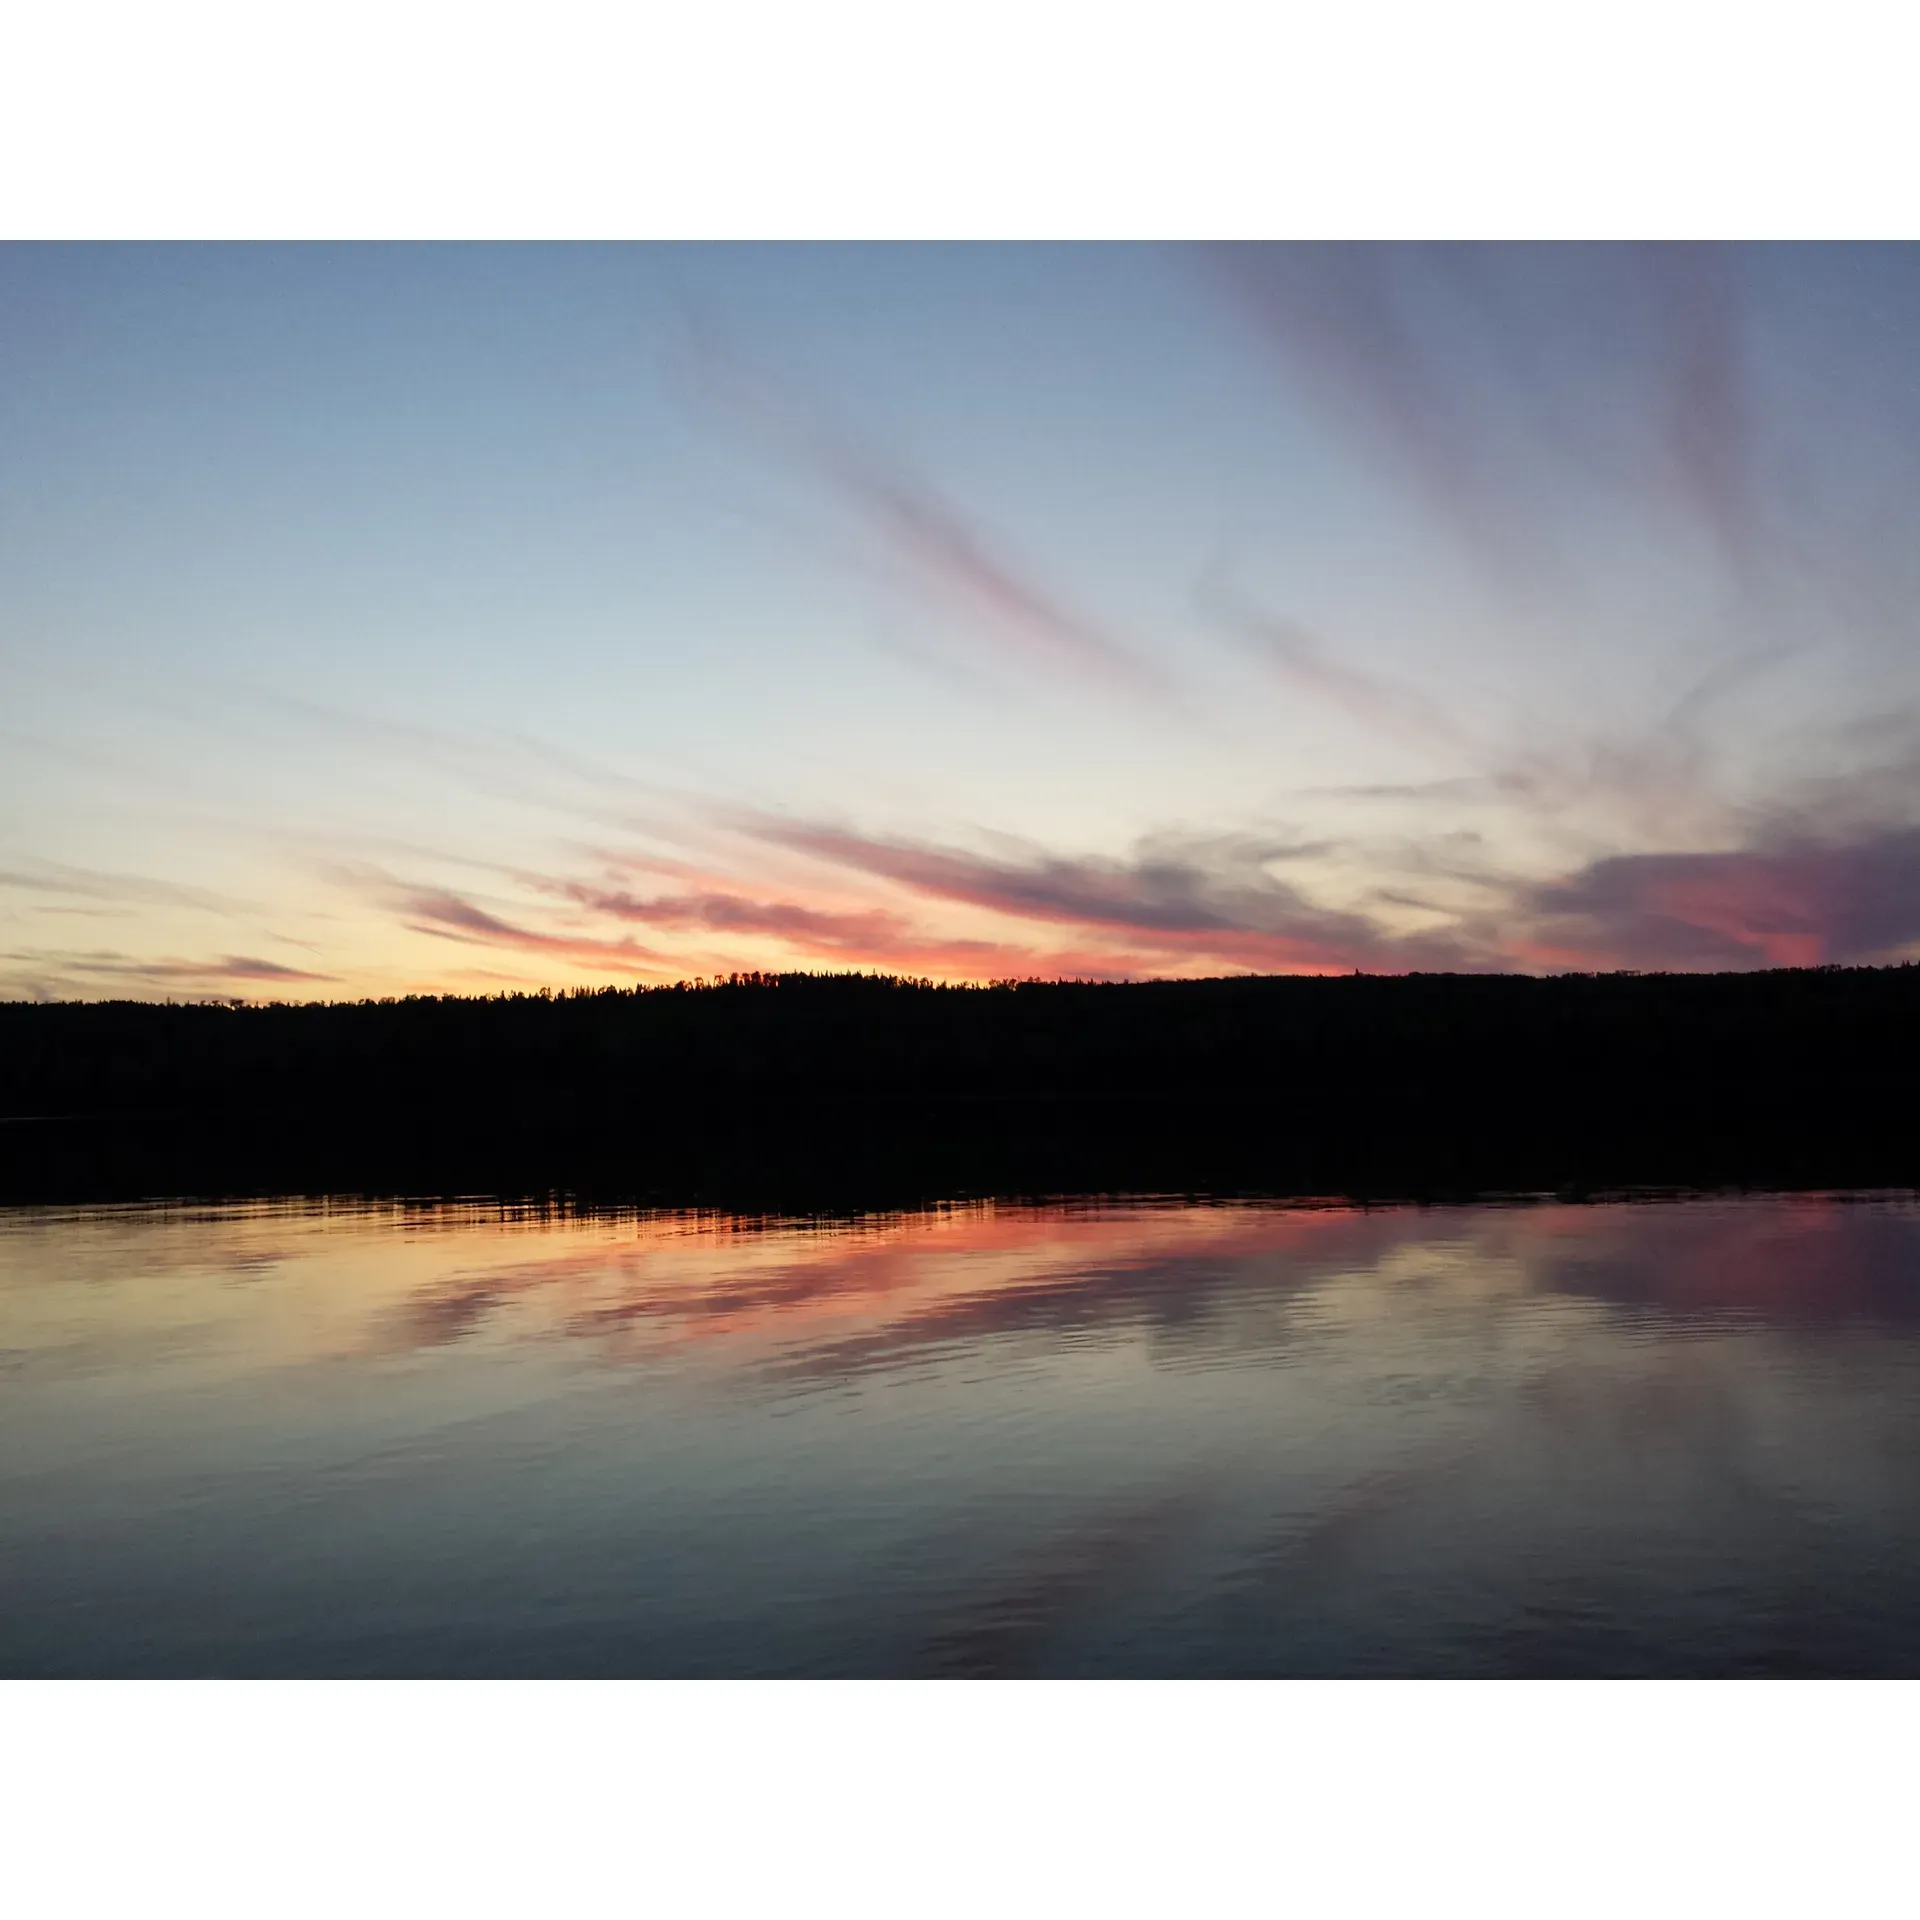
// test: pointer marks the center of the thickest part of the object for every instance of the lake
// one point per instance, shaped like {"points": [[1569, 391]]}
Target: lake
{"points": [[1122, 1437]]}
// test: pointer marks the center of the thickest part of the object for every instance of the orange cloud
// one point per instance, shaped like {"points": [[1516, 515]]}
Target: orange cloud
{"points": [[875, 939]]}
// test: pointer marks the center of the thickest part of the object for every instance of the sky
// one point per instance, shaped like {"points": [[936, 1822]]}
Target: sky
{"points": [[396, 619]]}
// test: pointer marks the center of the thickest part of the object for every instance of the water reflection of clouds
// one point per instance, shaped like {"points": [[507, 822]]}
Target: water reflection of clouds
{"points": [[846, 1298], [1800, 1259], [1497, 1438], [839, 1297]]}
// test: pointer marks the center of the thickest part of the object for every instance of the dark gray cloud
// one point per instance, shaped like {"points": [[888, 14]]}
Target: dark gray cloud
{"points": [[1202, 896], [450, 916], [1785, 903], [737, 913]]}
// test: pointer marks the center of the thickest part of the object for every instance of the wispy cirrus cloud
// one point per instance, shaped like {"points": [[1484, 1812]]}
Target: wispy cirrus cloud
{"points": [[941, 548], [1662, 778], [1488, 376], [1833, 875], [56, 880], [450, 916], [1339, 314], [1709, 430], [1824, 872], [1378, 701], [46, 974]]}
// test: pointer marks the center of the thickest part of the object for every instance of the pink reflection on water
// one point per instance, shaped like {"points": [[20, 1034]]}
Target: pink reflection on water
{"points": [[837, 1295], [286, 1283]]}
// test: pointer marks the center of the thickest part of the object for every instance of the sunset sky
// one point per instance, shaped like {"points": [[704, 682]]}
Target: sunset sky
{"points": [[405, 619]]}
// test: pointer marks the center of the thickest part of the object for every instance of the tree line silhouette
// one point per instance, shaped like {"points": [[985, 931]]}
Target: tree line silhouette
{"points": [[819, 1091]]}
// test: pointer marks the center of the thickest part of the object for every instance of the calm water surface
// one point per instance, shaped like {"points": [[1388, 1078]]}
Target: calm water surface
{"points": [[1649, 1438]]}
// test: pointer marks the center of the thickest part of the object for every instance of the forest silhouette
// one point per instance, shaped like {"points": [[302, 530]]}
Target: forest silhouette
{"points": [[823, 1092]]}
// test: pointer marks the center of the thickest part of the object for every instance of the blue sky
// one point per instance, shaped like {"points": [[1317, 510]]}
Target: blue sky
{"points": [[395, 619]]}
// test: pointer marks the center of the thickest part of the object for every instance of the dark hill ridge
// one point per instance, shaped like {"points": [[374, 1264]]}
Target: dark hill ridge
{"points": [[820, 1091]]}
